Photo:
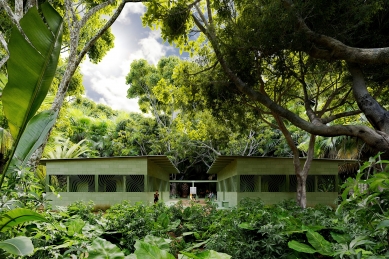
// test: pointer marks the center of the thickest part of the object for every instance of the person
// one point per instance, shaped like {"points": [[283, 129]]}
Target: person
{"points": [[211, 196], [156, 196]]}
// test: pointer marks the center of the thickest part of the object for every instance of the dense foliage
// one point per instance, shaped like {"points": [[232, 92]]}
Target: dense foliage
{"points": [[358, 228], [279, 67]]}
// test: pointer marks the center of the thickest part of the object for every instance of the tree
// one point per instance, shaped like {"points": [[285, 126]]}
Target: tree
{"points": [[319, 31], [87, 32], [187, 131], [243, 38]]}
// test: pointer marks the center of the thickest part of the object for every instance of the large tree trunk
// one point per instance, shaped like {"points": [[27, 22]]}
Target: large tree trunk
{"points": [[301, 189], [374, 112], [301, 173]]}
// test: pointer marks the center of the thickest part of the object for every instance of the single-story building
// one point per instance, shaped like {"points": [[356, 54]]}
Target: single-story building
{"points": [[273, 179], [107, 181]]}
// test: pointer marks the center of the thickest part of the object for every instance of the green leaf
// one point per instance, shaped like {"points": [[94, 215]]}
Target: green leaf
{"points": [[161, 243], [34, 135], [360, 240], [246, 225], [197, 235], [383, 224], [103, 249], [18, 216], [346, 192], [341, 238], [31, 69], [319, 243], [75, 226], [209, 254], [312, 228], [64, 245], [197, 245], [163, 220], [147, 251], [173, 225], [299, 247], [18, 246]]}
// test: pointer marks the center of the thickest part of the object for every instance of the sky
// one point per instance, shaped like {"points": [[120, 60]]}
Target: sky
{"points": [[105, 82]]}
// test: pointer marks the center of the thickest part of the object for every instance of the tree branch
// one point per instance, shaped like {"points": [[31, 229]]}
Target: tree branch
{"points": [[94, 10], [5, 46], [14, 18], [209, 13], [202, 16], [18, 9], [377, 139], [375, 113], [3, 42], [205, 69], [340, 115], [328, 48]]}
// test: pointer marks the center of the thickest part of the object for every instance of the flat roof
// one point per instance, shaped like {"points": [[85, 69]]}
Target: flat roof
{"points": [[160, 160], [222, 161]]}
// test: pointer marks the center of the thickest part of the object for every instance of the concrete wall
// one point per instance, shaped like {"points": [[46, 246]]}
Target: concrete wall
{"points": [[158, 179], [229, 171], [113, 166], [231, 197], [282, 166], [156, 171], [313, 198]]}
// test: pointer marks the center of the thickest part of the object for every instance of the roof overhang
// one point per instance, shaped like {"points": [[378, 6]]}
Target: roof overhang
{"points": [[222, 161], [161, 161]]}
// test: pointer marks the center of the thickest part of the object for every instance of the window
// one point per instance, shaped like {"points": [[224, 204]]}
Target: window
{"points": [[326, 183], [310, 184], [249, 183], [59, 182], [135, 183], [273, 183], [82, 183], [110, 183]]}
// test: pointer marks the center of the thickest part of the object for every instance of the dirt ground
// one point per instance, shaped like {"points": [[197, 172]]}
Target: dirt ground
{"points": [[186, 202]]}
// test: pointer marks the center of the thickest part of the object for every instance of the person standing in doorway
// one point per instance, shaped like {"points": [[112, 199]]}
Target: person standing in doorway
{"points": [[156, 196]]}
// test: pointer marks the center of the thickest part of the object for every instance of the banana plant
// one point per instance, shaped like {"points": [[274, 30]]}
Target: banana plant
{"points": [[31, 68], [19, 245]]}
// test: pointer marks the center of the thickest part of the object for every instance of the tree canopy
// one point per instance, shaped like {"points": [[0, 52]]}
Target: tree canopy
{"points": [[245, 40]]}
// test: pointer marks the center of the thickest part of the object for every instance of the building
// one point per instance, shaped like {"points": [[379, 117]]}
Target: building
{"points": [[107, 181], [273, 179]]}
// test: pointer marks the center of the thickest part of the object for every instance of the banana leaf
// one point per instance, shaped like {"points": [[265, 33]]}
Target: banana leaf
{"points": [[18, 246], [31, 67], [18, 216], [34, 135]]}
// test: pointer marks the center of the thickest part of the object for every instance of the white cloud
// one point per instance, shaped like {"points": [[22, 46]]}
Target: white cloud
{"points": [[130, 8], [150, 49], [114, 92], [107, 78]]}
